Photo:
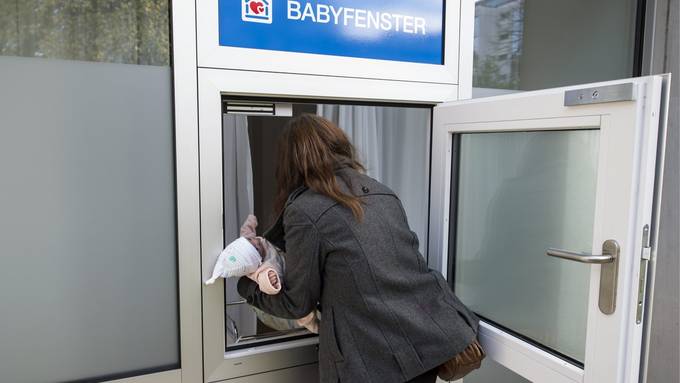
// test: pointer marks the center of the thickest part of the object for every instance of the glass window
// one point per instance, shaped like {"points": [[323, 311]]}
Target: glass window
{"points": [[118, 31], [88, 271], [392, 142], [518, 194], [527, 45]]}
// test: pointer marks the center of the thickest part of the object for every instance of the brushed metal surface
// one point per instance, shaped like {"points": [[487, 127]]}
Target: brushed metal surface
{"points": [[601, 94]]}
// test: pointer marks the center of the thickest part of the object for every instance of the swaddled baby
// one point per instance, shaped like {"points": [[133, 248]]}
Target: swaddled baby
{"points": [[259, 260]]}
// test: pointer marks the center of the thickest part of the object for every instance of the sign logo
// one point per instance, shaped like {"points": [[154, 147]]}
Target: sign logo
{"points": [[257, 11]]}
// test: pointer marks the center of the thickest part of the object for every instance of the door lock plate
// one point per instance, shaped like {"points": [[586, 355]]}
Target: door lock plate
{"points": [[609, 261], [609, 277], [601, 94]]}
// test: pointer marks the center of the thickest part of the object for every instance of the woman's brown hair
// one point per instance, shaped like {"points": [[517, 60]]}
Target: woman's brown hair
{"points": [[309, 151]]}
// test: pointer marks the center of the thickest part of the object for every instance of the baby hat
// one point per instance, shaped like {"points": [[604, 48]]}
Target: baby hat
{"points": [[238, 259]]}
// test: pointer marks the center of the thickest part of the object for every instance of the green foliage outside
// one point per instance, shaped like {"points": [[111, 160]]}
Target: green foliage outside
{"points": [[118, 31], [487, 74], [497, 64]]}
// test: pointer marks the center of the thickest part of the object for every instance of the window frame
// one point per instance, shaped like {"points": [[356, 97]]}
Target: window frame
{"points": [[214, 84]]}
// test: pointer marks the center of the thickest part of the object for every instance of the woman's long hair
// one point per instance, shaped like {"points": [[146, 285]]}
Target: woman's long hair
{"points": [[309, 151]]}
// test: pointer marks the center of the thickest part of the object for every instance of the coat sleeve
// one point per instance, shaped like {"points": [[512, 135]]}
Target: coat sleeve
{"points": [[301, 280]]}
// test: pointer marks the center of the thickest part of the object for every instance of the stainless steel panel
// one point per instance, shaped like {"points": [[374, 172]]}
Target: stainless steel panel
{"points": [[247, 362], [303, 374], [597, 95]]}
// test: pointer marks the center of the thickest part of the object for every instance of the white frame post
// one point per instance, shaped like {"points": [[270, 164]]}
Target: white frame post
{"points": [[466, 49], [188, 213]]}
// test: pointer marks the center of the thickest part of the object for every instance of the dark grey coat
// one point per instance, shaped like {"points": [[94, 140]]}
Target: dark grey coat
{"points": [[385, 316]]}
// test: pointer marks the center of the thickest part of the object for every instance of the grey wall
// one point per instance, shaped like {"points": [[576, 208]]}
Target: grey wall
{"points": [[664, 354]]}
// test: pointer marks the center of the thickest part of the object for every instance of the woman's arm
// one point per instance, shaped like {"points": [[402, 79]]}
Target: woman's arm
{"points": [[302, 278]]}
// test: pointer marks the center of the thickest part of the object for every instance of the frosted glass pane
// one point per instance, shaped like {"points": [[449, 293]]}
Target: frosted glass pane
{"points": [[518, 195], [88, 275]]}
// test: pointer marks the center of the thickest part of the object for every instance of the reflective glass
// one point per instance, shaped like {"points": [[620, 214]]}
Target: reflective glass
{"points": [[527, 45], [118, 31]]}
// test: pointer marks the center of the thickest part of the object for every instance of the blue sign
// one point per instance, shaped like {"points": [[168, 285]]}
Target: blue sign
{"points": [[395, 30]]}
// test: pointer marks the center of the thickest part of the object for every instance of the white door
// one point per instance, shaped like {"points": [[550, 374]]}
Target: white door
{"points": [[541, 207]]}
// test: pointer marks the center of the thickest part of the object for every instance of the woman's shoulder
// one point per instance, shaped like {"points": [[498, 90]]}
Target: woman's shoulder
{"points": [[360, 184], [314, 204], [309, 203]]}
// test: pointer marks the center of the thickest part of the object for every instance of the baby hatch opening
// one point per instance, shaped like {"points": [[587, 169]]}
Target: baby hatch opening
{"points": [[392, 141]]}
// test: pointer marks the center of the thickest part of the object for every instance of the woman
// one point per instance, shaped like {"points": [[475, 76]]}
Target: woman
{"points": [[349, 251]]}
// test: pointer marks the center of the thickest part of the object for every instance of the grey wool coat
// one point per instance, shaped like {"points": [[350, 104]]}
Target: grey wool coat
{"points": [[385, 317]]}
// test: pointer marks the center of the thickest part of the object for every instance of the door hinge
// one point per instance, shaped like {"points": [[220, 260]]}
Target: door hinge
{"points": [[644, 265]]}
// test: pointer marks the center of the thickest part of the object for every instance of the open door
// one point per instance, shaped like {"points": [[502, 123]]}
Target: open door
{"points": [[541, 207]]}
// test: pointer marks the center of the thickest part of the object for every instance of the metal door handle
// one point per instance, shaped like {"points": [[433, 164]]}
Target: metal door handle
{"points": [[609, 259], [593, 259]]}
